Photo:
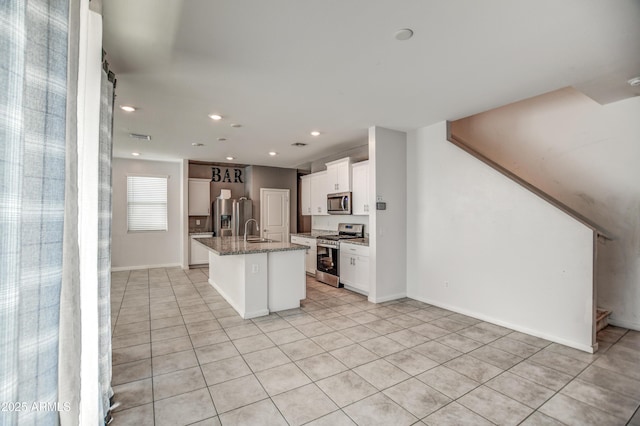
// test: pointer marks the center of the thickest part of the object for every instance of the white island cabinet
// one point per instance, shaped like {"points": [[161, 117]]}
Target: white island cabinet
{"points": [[257, 278]]}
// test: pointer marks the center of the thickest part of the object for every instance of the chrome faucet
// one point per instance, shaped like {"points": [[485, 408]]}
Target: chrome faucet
{"points": [[245, 228]]}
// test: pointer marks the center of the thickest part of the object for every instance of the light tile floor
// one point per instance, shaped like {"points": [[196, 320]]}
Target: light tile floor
{"points": [[181, 355]]}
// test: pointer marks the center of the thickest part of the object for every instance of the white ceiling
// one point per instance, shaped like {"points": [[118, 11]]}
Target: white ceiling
{"points": [[282, 68]]}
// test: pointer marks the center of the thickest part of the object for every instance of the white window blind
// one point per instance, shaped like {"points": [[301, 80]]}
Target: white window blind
{"points": [[146, 203]]}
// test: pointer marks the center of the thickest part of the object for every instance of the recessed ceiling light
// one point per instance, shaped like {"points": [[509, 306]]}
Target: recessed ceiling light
{"points": [[299, 144], [140, 136], [197, 144], [215, 117], [634, 82], [236, 125], [135, 154], [404, 34], [127, 108], [222, 139], [230, 158], [315, 133], [272, 153]]}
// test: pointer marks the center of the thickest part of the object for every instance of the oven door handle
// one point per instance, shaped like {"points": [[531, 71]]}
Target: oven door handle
{"points": [[326, 246]]}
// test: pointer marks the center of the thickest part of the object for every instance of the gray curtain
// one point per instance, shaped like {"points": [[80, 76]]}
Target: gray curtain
{"points": [[33, 81], [104, 238]]}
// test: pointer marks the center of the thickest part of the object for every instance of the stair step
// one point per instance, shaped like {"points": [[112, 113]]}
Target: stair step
{"points": [[602, 319]]}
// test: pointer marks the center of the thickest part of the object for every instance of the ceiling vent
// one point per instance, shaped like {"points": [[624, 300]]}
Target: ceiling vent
{"points": [[140, 136], [299, 144]]}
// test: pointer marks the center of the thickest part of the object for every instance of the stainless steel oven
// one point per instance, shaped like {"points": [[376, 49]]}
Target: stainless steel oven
{"points": [[328, 259], [328, 246]]}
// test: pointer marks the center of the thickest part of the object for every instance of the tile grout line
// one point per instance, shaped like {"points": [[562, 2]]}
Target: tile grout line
{"points": [[153, 399], [196, 355], [329, 296]]}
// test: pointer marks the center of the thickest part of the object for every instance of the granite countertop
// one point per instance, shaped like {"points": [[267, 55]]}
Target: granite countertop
{"points": [[224, 246], [357, 241], [196, 232], [315, 233]]}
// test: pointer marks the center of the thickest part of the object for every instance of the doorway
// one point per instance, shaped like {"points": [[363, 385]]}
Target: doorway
{"points": [[274, 214]]}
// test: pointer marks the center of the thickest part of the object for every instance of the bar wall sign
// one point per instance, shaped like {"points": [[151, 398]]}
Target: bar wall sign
{"points": [[226, 175]]}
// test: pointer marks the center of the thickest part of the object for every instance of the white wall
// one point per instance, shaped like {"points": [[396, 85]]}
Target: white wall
{"points": [[388, 228], [89, 76], [146, 249], [357, 154], [585, 155], [482, 245]]}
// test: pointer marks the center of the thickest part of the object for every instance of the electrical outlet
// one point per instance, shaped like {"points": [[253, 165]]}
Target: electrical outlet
{"points": [[446, 284], [255, 268], [197, 221]]}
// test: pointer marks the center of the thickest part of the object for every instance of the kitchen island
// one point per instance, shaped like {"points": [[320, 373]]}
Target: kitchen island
{"points": [[256, 277]]}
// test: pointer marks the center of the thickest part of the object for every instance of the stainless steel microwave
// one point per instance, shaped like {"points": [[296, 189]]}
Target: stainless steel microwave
{"points": [[339, 203]]}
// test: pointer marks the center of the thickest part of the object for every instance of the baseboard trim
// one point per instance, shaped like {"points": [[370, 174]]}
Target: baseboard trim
{"points": [[515, 327], [249, 315], [356, 290], [624, 324], [387, 298], [134, 268]]}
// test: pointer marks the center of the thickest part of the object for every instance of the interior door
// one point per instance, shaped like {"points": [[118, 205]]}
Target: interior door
{"points": [[274, 214]]}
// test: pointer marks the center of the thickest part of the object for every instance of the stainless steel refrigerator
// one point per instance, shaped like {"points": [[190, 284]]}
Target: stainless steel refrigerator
{"points": [[230, 215]]}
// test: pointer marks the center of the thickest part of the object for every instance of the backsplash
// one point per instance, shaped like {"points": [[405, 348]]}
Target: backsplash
{"points": [[331, 222], [205, 224]]}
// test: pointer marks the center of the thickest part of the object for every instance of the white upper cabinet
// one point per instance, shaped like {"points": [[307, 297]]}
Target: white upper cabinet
{"points": [[199, 201], [360, 196], [319, 193], [339, 175], [305, 202]]}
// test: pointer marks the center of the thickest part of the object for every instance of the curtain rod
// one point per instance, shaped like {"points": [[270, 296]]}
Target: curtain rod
{"points": [[105, 66]]}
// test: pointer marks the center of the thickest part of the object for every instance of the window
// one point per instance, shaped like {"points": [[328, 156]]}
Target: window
{"points": [[146, 203]]}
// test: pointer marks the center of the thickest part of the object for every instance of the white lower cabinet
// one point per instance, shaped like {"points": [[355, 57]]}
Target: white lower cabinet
{"points": [[310, 259], [354, 267], [198, 254]]}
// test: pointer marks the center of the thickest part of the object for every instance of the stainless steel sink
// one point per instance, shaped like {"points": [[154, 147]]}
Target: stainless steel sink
{"points": [[258, 240]]}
